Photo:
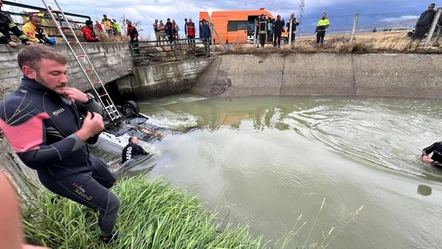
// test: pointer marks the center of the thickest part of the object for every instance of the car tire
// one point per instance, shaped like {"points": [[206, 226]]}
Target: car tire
{"points": [[130, 107]]}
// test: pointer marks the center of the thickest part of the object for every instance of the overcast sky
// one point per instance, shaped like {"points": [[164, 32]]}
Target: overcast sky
{"points": [[340, 12]]}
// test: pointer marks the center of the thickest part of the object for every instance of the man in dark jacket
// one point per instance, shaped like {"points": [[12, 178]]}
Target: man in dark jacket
{"points": [[205, 34], [132, 32], [89, 33], [6, 25], [277, 27], [132, 150], [169, 29], [424, 22]]}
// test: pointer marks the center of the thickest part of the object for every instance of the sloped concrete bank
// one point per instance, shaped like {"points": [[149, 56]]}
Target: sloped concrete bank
{"points": [[397, 75]]}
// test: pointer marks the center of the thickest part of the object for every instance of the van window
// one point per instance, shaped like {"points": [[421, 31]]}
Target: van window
{"points": [[237, 25]]}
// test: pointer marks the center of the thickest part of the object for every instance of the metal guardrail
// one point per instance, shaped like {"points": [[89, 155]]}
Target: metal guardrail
{"points": [[435, 29], [46, 19], [153, 52]]}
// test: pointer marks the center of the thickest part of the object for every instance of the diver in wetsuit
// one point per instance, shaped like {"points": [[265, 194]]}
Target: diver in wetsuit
{"points": [[48, 124], [436, 158], [132, 150]]}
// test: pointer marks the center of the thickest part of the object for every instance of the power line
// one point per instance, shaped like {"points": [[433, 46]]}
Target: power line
{"points": [[301, 13]]}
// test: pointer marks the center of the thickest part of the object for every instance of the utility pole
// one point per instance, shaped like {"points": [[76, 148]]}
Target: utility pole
{"points": [[301, 14]]}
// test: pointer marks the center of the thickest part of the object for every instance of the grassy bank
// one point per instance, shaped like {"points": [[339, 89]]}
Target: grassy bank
{"points": [[152, 215]]}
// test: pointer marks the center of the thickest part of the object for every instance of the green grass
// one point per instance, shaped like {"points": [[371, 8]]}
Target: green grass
{"points": [[152, 215]]}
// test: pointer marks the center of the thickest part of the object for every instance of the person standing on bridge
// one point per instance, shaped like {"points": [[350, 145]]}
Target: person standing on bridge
{"points": [[294, 23], [262, 29], [185, 30], [157, 32], [424, 22], [277, 27], [48, 125], [89, 33], [107, 26], [321, 28], [161, 31], [6, 25], [117, 29], [132, 32], [190, 31], [99, 27], [205, 34], [176, 29], [169, 29]]}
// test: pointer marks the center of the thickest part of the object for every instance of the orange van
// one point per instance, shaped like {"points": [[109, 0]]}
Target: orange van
{"points": [[236, 26]]}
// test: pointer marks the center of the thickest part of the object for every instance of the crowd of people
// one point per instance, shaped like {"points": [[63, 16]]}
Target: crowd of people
{"points": [[168, 33], [109, 28], [267, 29]]}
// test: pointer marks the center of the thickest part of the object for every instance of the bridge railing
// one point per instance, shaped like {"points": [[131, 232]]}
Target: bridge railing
{"points": [[153, 52]]}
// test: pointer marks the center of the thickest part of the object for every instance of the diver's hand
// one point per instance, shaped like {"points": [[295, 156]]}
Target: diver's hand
{"points": [[75, 94], [92, 125], [427, 159]]}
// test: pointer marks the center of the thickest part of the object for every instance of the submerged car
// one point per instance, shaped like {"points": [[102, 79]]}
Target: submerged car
{"points": [[132, 123]]}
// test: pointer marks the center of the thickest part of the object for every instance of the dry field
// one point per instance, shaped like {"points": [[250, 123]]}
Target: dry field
{"points": [[363, 43]]}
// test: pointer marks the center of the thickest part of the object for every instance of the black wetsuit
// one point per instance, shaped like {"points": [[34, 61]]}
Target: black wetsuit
{"points": [[436, 148], [40, 126], [131, 151]]}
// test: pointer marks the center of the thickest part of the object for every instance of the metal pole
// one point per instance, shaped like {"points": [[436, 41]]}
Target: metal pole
{"points": [[439, 29], [255, 34], [219, 37], [433, 27], [353, 31], [290, 31], [211, 31]]}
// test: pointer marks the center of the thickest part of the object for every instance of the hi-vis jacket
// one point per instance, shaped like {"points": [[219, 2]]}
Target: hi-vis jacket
{"points": [[34, 34], [322, 25]]}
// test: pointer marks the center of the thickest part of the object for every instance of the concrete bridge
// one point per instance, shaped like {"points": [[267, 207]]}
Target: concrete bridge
{"points": [[114, 64]]}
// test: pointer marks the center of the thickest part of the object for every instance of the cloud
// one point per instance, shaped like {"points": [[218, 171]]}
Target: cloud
{"points": [[401, 18]]}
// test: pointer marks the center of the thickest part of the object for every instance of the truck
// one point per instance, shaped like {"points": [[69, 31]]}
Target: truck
{"points": [[237, 26]]}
